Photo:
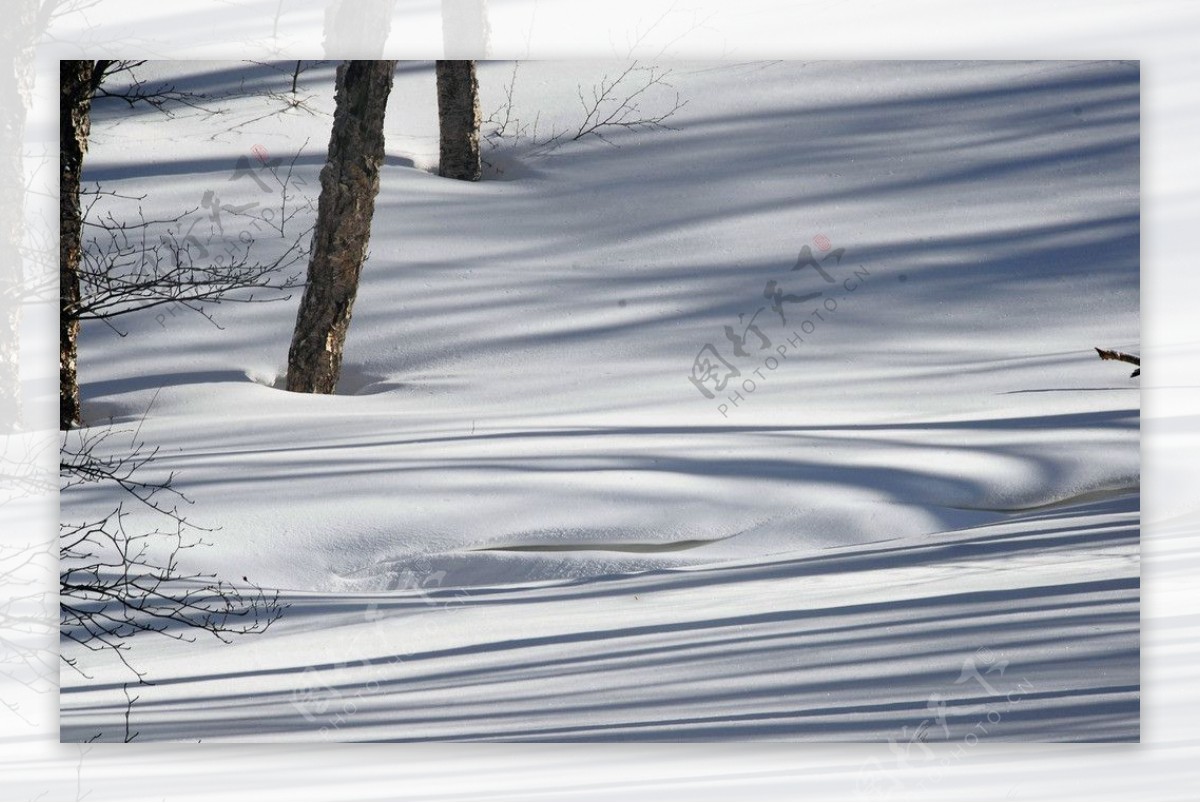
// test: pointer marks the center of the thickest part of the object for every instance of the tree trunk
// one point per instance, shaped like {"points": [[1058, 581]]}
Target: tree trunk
{"points": [[357, 28], [458, 116], [18, 38], [349, 183], [76, 86], [465, 29]]}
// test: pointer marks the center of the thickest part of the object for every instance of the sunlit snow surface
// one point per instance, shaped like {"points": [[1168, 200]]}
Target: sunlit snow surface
{"points": [[521, 520]]}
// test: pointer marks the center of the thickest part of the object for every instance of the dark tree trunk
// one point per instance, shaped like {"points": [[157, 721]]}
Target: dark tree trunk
{"points": [[349, 183], [458, 116], [76, 86]]}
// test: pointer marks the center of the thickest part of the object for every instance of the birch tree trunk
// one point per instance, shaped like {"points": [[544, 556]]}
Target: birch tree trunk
{"points": [[349, 184], [76, 86], [458, 118]]}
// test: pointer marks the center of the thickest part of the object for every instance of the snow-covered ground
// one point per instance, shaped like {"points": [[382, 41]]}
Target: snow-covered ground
{"points": [[912, 514]]}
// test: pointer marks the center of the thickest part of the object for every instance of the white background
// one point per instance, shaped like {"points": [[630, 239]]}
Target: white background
{"points": [[1161, 34]]}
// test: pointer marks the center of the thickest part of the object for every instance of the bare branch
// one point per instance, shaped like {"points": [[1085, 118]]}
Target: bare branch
{"points": [[163, 97], [290, 100], [614, 104], [129, 265], [115, 584], [1123, 357]]}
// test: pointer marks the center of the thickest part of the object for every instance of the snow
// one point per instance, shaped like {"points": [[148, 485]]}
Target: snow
{"points": [[518, 519]]}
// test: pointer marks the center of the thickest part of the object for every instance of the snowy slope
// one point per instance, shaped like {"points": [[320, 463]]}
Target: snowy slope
{"points": [[1024, 630], [934, 462]]}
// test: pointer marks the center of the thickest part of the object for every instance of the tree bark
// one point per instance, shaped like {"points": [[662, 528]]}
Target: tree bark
{"points": [[349, 184], [458, 118], [76, 86]]}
